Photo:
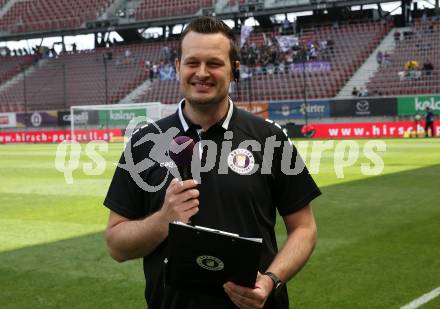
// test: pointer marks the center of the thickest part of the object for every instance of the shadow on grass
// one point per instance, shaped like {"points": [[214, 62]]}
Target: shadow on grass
{"points": [[72, 273], [377, 244], [369, 199], [374, 233]]}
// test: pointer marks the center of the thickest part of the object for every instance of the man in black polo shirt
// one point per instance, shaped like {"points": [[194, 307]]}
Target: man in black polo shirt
{"points": [[249, 178]]}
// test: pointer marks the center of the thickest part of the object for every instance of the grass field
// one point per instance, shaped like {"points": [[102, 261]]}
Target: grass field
{"points": [[378, 247]]}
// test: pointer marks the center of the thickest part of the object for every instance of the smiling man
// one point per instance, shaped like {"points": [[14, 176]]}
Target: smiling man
{"points": [[205, 64], [236, 195]]}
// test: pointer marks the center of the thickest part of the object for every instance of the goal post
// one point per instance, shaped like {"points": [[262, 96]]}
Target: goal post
{"points": [[115, 116]]}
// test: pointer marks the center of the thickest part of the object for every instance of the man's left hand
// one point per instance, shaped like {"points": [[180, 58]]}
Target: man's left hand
{"points": [[247, 298]]}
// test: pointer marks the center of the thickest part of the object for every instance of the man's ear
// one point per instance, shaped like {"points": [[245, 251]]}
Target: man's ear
{"points": [[177, 65]]}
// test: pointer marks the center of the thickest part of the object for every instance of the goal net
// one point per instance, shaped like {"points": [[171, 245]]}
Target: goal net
{"points": [[114, 117]]}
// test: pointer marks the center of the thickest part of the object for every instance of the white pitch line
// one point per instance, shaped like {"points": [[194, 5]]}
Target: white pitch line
{"points": [[422, 299]]}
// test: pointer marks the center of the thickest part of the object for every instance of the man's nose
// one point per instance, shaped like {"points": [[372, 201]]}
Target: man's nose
{"points": [[202, 71]]}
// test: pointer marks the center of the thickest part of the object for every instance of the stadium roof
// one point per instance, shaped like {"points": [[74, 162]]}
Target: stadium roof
{"points": [[254, 8]]}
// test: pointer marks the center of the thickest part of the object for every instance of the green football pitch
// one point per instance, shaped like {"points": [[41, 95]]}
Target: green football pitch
{"points": [[378, 243]]}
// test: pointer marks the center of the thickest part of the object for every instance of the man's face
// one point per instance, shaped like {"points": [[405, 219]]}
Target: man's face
{"points": [[204, 68]]}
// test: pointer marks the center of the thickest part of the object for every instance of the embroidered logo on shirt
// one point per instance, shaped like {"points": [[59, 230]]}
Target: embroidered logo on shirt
{"points": [[241, 161], [210, 263]]}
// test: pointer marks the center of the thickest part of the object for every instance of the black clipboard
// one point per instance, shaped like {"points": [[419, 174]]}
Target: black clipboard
{"points": [[205, 259]]}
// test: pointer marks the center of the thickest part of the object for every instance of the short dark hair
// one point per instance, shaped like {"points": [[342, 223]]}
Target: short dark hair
{"points": [[207, 25]]}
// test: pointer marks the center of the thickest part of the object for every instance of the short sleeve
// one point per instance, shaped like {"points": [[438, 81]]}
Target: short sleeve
{"points": [[294, 187], [124, 196]]}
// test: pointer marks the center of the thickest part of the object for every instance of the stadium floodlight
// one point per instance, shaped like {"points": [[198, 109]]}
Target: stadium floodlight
{"points": [[115, 116]]}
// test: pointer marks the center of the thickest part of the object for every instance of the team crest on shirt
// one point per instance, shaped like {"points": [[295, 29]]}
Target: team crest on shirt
{"points": [[241, 161]]}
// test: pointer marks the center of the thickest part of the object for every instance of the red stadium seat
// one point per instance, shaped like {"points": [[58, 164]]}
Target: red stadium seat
{"points": [[39, 15], [426, 47]]}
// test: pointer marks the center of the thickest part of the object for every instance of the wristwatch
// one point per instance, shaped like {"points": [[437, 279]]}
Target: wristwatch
{"points": [[277, 283]]}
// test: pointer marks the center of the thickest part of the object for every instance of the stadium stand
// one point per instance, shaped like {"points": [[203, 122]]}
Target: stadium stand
{"points": [[352, 44], [165, 91], [80, 78], [422, 44], [42, 15], [96, 77], [10, 66], [148, 9]]}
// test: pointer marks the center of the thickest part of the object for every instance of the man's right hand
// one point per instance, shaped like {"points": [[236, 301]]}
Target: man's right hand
{"points": [[130, 239], [181, 201]]}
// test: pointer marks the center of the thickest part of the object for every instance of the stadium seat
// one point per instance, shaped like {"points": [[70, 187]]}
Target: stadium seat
{"points": [[422, 46], [79, 78], [42, 15]]}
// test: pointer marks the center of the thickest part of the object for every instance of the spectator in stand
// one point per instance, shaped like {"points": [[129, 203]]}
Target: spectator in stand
{"points": [[363, 92], [131, 12], [412, 69], [427, 68], [274, 58], [5, 51], [323, 50], [244, 54], [53, 52], [397, 36], [408, 35], [281, 67], [436, 17], [379, 58], [74, 47], [165, 53], [288, 58], [386, 59], [286, 25], [166, 72], [259, 69], [268, 40], [253, 54], [173, 55], [147, 69], [312, 51], [151, 73], [424, 16], [245, 72], [330, 46], [270, 69], [155, 70], [429, 123], [355, 92], [109, 55], [127, 56]]}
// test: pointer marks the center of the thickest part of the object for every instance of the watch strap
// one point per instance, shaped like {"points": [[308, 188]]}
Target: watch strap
{"points": [[276, 281]]}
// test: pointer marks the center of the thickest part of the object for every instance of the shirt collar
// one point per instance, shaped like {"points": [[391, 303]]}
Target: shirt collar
{"points": [[186, 123]]}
